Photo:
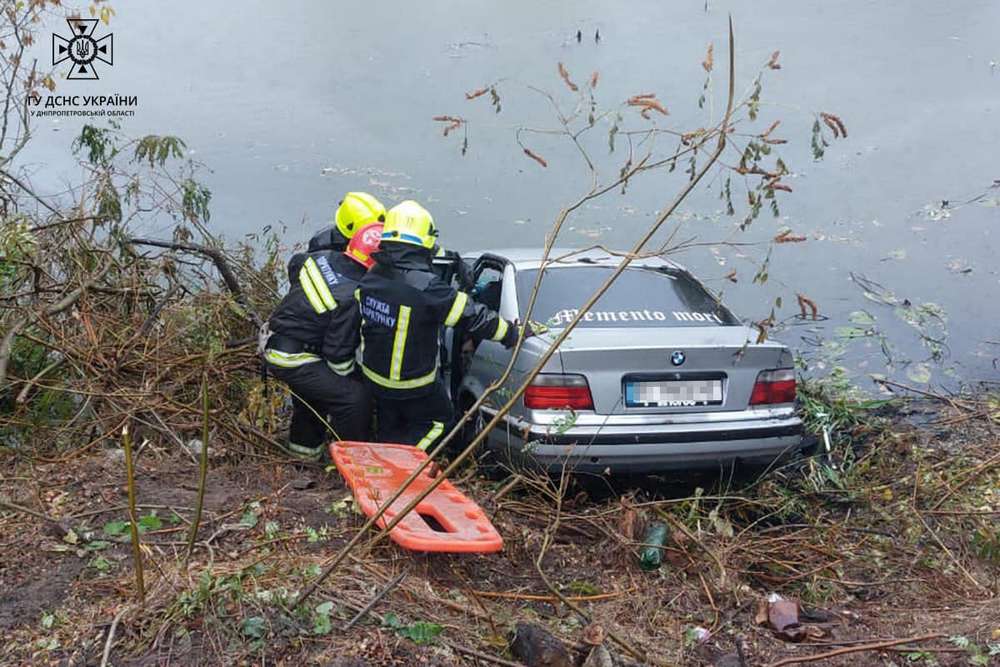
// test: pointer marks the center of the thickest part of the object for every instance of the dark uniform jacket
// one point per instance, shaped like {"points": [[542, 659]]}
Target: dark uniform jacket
{"points": [[318, 317], [403, 306], [329, 239]]}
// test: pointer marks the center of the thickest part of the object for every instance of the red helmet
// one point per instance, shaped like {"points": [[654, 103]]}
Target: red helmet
{"points": [[365, 242]]}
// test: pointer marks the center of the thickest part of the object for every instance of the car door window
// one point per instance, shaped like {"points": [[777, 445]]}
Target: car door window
{"points": [[489, 284]]}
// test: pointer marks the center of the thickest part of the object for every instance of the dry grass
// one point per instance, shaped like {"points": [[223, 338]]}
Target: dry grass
{"points": [[896, 543]]}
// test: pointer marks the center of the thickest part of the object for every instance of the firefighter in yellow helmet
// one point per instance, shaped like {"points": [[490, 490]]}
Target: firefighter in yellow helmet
{"points": [[356, 210], [404, 304]]}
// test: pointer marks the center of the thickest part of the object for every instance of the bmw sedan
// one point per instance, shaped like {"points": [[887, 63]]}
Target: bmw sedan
{"points": [[658, 375]]}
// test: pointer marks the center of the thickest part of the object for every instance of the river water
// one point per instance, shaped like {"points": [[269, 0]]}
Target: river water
{"points": [[290, 104]]}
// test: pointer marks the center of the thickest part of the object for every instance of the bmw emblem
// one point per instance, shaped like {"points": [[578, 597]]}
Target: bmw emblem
{"points": [[677, 358]]}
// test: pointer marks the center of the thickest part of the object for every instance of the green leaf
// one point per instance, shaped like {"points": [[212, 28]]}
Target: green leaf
{"points": [[149, 522], [919, 373], [580, 587], [254, 627], [321, 621], [421, 632], [861, 318], [249, 519], [100, 563], [340, 508], [115, 528]]}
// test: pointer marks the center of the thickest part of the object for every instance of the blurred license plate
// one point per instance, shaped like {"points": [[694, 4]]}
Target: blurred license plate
{"points": [[673, 393]]}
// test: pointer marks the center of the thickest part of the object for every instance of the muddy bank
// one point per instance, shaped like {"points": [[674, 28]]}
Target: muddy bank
{"points": [[890, 542]]}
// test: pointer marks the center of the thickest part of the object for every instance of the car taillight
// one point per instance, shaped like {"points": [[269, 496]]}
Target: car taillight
{"points": [[549, 391], [777, 386]]}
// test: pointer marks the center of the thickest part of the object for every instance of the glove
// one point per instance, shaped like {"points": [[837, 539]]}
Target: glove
{"points": [[514, 330], [464, 274]]}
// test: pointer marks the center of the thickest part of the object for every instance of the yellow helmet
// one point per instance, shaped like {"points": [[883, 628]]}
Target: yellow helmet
{"points": [[409, 222], [356, 210]]}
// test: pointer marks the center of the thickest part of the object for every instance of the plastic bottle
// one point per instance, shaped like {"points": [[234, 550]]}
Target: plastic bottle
{"points": [[652, 551]]}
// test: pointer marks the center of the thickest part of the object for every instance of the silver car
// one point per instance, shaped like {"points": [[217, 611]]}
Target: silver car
{"points": [[658, 375]]}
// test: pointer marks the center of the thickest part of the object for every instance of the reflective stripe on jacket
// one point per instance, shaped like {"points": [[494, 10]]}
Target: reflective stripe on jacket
{"points": [[319, 312], [403, 306]]}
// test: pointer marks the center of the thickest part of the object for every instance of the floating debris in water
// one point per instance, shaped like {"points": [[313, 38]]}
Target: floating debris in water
{"points": [[936, 212], [591, 232], [957, 265], [919, 373], [462, 49]]}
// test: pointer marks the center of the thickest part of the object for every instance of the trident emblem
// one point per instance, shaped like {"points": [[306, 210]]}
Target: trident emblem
{"points": [[82, 49]]}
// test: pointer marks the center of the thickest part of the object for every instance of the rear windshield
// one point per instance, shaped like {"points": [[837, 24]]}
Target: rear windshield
{"points": [[641, 297]]}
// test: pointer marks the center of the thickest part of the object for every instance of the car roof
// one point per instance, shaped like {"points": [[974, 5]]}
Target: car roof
{"points": [[531, 258]]}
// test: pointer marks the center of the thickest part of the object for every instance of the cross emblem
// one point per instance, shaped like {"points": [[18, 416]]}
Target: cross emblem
{"points": [[82, 49]]}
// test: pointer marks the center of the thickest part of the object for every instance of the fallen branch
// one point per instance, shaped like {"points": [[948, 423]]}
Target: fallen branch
{"points": [[38, 515], [221, 265], [14, 329], [371, 603], [853, 649], [482, 656], [533, 597], [110, 641]]}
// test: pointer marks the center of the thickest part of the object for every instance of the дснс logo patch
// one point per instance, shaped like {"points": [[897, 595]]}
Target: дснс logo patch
{"points": [[82, 49]]}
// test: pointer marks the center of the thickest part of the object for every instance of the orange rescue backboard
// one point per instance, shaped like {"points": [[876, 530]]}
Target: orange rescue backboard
{"points": [[445, 521]]}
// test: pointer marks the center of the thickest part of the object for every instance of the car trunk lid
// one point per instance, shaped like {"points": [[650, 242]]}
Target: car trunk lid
{"points": [[612, 358]]}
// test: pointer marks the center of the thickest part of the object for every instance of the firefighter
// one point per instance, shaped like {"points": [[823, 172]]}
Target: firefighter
{"points": [[354, 211], [311, 347], [404, 304]]}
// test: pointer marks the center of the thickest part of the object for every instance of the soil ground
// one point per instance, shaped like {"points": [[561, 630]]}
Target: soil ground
{"points": [[875, 558]]}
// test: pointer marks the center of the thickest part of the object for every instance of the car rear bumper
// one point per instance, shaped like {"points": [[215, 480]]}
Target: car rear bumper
{"points": [[649, 448]]}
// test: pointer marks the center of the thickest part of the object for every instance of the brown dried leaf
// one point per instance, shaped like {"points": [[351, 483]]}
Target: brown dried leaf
{"points": [[454, 123], [647, 103], [807, 303], [536, 157], [787, 237], [773, 63], [594, 79], [593, 634], [479, 92], [628, 521], [644, 96], [766, 133], [709, 60], [731, 276], [760, 615], [565, 77], [777, 185], [835, 124]]}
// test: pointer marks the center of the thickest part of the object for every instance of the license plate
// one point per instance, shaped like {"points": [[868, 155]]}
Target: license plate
{"points": [[673, 393]]}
